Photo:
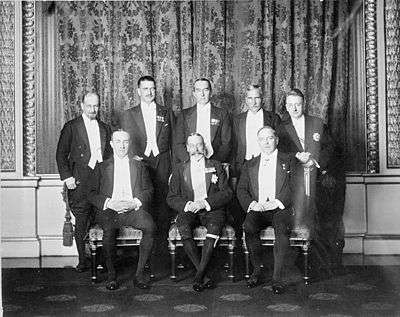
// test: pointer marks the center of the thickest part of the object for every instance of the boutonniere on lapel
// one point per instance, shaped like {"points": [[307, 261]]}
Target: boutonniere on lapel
{"points": [[214, 121], [214, 178], [160, 119], [316, 137]]}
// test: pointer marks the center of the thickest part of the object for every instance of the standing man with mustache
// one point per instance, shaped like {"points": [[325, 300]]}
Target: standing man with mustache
{"points": [[150, 128], [84, 142]]}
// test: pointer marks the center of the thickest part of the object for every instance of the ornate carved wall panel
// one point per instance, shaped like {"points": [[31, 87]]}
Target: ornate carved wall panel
{"points": [[7, 83], [28, 68], [371, 61], [392, 35]]}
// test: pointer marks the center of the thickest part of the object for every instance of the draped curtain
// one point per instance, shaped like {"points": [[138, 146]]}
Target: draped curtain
{"points": [[106, 46]]}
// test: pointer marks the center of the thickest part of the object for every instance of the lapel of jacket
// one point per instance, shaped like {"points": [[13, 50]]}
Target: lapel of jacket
{"points": [[265, 118], [208, 164], [242, 129], [191, 119], [308, 134], [137, 116], [187, 179], [102, 131], [293, 135], [134, 176], [280, 173], [214, 114], [253, 175], [83, 133], [159, 122], [109, 176]]}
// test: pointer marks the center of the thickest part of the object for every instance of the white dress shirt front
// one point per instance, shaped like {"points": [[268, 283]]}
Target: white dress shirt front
{"points": [[203, 126], [122, 189], [267, 177], [93, 132], [198, 176], [254, 122], [299, 126], [149, 112]]}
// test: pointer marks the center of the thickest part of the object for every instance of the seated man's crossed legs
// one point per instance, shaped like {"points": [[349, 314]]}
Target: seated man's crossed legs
{"points": [[255, 221], [213, 221], [111, 221]]}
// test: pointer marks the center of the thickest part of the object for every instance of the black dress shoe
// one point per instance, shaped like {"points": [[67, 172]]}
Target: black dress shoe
{"points": [[198, 287], [210, 284], [112, 285], [278, 288], [139, 283], [254, 281]]}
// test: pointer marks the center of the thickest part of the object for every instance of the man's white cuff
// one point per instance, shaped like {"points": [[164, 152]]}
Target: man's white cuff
{"points": [[186, 209], [106, 203], [251, 206], [280, 205], [208, 207], [138, 203]]}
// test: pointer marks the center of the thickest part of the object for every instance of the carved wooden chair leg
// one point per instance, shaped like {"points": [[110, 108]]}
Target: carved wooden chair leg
{"points": [[93, 249], [231, 253], [246, 259], [306, 277], [172, 248]]}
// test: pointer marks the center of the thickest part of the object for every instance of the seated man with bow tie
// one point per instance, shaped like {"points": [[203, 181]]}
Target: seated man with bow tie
{"points": [[265, 192], [199, 192], [121, 190]]}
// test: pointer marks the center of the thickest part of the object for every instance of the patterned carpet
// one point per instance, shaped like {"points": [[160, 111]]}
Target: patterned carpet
{"points": [[359, 291]]}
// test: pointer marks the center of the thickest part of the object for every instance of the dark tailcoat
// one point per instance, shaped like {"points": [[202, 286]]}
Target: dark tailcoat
{"points": [[181, 190], [317, 139], [73, 155], [102, 184], [220, 132], [247, 190], [132, 121], [239, 133]]}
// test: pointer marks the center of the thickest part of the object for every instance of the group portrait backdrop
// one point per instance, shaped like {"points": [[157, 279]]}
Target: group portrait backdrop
{"points": [[106, 46]]}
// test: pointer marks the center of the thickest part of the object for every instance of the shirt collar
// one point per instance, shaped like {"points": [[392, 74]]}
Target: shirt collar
{"points": [[87, 120], [271, 156], [204, 107], [119, 160], [298, 120], [146, 106]]}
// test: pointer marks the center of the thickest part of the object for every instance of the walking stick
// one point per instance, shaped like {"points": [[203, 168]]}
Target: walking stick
{"points": [[68, 230]]}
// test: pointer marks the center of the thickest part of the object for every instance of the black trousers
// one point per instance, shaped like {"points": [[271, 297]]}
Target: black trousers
{"points": [[81, 209], [255, 221], [111, 221]]}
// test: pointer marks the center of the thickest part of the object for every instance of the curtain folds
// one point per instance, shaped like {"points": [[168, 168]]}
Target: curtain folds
{"points": [[106, 46]]}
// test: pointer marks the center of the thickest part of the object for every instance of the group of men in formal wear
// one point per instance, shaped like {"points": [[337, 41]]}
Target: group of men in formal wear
{"points": [[156, 168]]}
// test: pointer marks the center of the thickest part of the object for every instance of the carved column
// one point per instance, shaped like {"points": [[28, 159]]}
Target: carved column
{"points": [[392, 36], [371, 62], [28, 68], [7, 87]]}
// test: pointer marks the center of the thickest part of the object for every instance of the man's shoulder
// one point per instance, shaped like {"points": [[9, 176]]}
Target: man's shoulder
{"points": [[219, 110], [285, 156], [314, 119], [254, 161]]}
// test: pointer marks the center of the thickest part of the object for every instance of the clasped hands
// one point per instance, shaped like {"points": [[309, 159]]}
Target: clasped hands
{"points": [[264, 206], [195, 206], [121, 206]]}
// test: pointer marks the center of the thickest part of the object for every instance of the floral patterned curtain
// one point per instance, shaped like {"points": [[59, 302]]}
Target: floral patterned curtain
{"points": [[106, 46]]}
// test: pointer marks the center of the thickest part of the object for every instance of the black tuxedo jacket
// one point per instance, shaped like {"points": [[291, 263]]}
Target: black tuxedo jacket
{"points": [[181, 189], [247, 189], [132, 121], [73, 149], [220, 132], [239, 133], [101, 183], [317, 140]]}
